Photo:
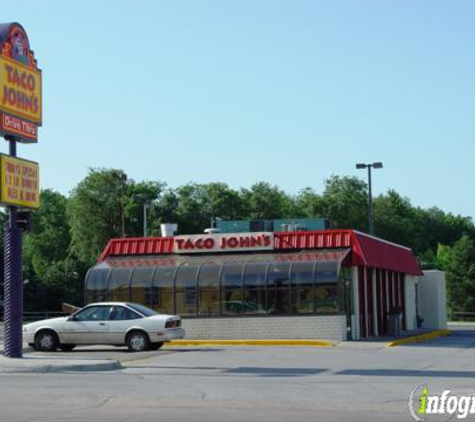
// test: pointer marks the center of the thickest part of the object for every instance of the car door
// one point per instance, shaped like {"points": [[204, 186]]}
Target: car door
{"points": [[121, 319], [88, 326]]}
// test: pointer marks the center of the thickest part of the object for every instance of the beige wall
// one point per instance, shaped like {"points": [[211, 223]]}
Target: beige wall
{"points": [[410, 301], [331, 327], [432, 300]]}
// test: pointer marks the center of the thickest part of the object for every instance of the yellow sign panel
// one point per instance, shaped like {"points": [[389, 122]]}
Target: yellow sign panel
{"points": [[20, 182], [20, 90]]}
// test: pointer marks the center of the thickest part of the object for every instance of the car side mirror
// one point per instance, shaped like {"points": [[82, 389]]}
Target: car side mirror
{"points": [[71, 318]]}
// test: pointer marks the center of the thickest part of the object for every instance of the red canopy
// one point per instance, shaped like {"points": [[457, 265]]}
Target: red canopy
{"points": [[367, 251]]}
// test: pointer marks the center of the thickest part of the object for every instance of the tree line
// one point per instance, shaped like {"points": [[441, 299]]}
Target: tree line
{"points": [[69, 233]]}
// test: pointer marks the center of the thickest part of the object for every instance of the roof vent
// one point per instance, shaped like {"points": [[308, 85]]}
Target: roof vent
{"points": [[212, 230]]}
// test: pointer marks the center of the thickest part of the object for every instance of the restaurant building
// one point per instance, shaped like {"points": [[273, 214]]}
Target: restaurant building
{"points": [[324, 284]]}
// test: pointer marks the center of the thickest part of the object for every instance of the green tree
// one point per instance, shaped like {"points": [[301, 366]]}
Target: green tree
{"points": [[136, 195], [221, 201], [53, 274], [458, 262], [394, 218], [49, 240], [94, 212], [308, 204], [193, 206], [433, 226], [345, 203], [264, 201]]}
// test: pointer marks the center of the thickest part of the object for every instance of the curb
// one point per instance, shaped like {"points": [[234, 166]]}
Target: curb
{"points": [[314, 343], [419, 338], [25, 365]]}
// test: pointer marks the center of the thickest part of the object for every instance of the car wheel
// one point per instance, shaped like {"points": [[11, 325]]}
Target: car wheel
{"points": [[46, 341], [137, 341], [67, 347], [156, 346]]}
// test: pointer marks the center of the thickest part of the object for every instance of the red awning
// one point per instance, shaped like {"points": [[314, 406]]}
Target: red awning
{"points": [[367, 251], [336, 255]]}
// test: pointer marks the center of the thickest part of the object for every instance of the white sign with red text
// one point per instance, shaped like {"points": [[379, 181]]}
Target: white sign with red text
{"points": [[226, 242]]}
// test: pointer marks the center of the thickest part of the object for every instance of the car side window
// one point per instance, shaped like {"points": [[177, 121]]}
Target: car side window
{"points": [[121, 313], [93, 313]]}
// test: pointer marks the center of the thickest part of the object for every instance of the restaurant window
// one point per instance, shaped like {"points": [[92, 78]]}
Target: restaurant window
{"points": [[96, 284], [119, 284], [162, 284], [303, 291], [327, 288], [254, 288], [231, 289], [185, 290], [208, 282], [278, 288], [142, 290]]}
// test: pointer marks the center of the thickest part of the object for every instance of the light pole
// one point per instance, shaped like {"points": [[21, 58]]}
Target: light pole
{"points": [[121, 178], [377, 165], [146, 203]]}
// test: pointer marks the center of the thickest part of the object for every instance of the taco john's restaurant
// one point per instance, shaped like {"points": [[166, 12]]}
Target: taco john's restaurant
{"points": [[323, 284]]}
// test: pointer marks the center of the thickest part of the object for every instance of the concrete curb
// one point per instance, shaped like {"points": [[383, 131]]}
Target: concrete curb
{"points": [[419, 338], [51, 365], [307, 343]]}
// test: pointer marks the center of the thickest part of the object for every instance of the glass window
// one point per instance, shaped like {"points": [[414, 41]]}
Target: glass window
{"points": [[208, 282], [327, 298], [93, 313], [141, 286], [303, 292], [96, 284], [278, 286], [327, 290], [163, 285], [254, 288], [142, 309], [121, 313], [185, 290], [119, 284], [327, 271], [231, 289]]}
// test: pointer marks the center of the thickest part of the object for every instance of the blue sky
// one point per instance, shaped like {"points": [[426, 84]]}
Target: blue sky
{"points": [[288, 92]]}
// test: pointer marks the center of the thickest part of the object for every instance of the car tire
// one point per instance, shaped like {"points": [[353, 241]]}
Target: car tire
{"points": [[46, 341], [67, 347], [156, 346], [137, 341]]}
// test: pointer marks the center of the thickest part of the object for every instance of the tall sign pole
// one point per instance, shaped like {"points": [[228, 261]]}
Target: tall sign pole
{"points": [[20, 116]]}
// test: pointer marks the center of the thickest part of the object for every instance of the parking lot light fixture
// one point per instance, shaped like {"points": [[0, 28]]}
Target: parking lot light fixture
{"points": [[376, 165]]}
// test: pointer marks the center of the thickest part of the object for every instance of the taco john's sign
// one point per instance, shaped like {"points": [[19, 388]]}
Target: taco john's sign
{"points": [[229, 242], [20, 85]]}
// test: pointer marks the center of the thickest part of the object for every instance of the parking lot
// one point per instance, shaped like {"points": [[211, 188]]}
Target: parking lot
{"points": [[353, 381]]}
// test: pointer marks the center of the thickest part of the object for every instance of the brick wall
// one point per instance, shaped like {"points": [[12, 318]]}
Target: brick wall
{"points": [[332, 327]]}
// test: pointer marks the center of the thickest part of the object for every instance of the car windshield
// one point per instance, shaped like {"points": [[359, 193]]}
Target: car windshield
{"points": [[142, 309]]}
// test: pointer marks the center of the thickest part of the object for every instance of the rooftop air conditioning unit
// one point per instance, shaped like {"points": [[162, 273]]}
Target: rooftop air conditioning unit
{"points": [[168, 229]]}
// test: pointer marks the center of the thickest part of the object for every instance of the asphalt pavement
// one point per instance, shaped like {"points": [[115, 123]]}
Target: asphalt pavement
{"points": [[355, 381]]}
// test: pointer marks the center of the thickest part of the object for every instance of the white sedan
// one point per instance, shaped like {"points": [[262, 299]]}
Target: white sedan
{"points": [[114, 323]]}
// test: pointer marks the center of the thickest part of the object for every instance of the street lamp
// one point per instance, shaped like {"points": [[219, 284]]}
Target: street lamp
{"points": [[121, 178], [146, 203], [377, 165]]}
